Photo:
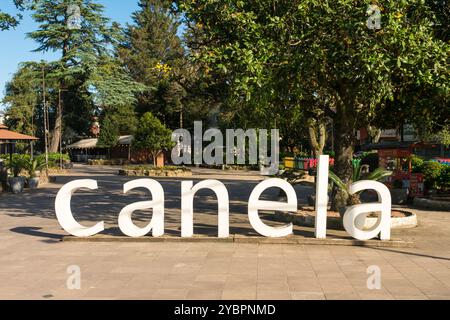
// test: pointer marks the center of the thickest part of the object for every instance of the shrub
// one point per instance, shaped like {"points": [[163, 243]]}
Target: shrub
{"points": [[150, 167], [54, 159], [17, 164], [5, 157], [32, 166], [444, 178], [431, 171], [102, 162], [416, 164], [152, 136]]}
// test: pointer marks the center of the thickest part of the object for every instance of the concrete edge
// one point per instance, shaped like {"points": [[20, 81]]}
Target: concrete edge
{"points": [[433, 205], [292, 240], [335, 223]]}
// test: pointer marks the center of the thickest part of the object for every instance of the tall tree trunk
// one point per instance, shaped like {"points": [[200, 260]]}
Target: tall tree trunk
{"points": [[57, 131], [317, 137], [154, 157], [344, 148]]}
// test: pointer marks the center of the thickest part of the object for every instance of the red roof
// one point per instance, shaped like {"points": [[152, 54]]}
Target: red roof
{"points": [[6, 135]]}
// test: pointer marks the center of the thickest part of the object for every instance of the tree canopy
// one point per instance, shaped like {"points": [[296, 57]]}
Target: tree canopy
{"points": [[321, 57], [87, 61], [152, 136]]}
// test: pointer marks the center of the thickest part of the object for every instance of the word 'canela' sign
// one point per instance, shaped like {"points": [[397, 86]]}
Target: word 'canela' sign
{"points": [[188, 191]]}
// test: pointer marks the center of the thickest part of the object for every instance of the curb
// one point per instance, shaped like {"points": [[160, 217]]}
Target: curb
{"points": [[335, 223], [291, 240], [434, 205]]}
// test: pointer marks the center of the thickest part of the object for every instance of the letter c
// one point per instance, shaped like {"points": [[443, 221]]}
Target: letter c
{"points": [[64, 213]]}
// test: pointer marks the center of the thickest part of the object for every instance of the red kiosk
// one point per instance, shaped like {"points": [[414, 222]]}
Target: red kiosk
{"points": [[396, 157]]}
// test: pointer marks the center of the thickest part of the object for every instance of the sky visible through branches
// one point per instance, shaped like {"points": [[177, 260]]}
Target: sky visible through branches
{"points": [[16, 48]]}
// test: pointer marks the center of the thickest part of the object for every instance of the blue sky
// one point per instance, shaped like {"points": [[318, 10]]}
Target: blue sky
{"points": [[16, 48]]}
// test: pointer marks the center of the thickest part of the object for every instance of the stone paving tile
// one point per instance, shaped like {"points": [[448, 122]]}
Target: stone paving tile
{"points": [[410, 297], [307, 295], [240, 286], [231, 294], [208, 285], [211, 277], [273, 295], [305, 286], [342, 296], [204, 294], [13, 292], [439, 297], [273, 285], [170, 294], [397, 291], [383, 295]]}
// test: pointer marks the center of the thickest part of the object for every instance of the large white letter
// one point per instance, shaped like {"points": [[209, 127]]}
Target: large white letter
{"points": [[383, 227], [322, 197], [187, 206], [126, 224], [254, 204], [64, 213]]}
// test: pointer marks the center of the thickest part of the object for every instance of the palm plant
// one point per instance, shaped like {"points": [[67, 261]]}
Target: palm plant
{"points": [[16, 164], [33, 165], [353, 199]]}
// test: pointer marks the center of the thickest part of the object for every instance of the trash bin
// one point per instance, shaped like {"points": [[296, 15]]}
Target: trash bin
{"points": [[300, 163], [289, 163]]}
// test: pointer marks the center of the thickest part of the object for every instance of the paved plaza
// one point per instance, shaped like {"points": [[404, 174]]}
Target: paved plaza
{"points": [[34, 261]]}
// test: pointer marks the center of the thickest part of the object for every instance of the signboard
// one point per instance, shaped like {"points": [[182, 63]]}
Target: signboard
{"points": [[188, 190]]}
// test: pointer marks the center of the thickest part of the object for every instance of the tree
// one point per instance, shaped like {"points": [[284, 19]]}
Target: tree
{"points": [[111, 85], [154, 56], [152, 136], [109, 134], [80, 47], [324, 51], [114, 94], [8, 21], [442, 136], [24, 109], [21, 99]]}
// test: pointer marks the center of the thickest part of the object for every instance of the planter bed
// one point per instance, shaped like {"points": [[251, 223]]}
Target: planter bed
{"points": [[116, 162], [155, 172], [306, 217]]}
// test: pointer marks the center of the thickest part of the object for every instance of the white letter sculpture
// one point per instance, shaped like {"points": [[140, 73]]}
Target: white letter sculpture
{"points": [[64, 213], [187, 206], [254, 204], [383, 227], [156, 225], [322, 197]]}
